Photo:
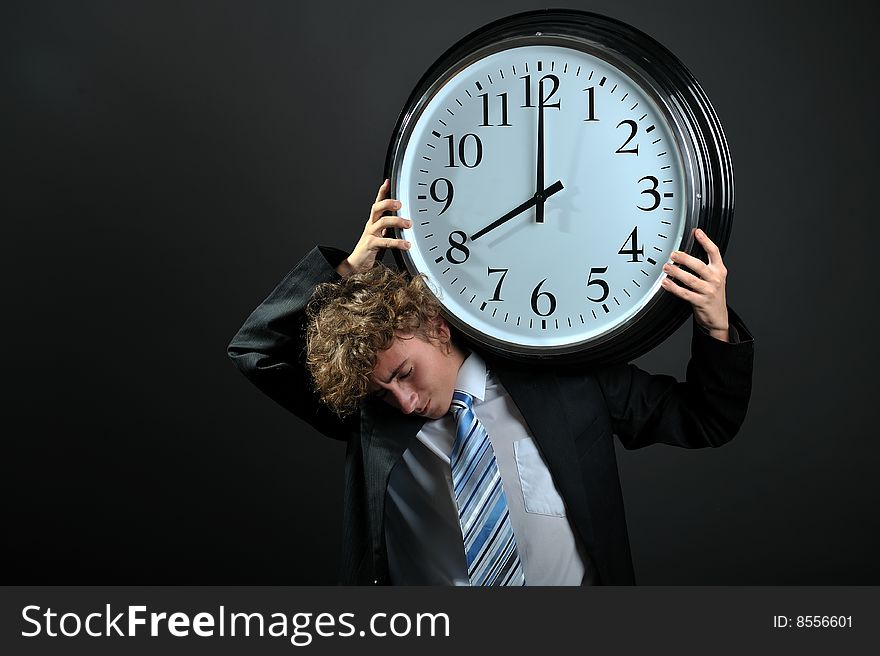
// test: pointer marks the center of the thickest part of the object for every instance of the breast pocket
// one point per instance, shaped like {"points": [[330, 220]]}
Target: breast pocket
{"points": [[539, 492]]}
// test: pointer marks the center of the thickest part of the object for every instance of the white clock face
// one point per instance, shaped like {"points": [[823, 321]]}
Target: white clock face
{"points": [[546, 190]]}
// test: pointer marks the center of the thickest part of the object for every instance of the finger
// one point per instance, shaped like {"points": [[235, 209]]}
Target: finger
{"points": [[379, 226], [693, 263], [388, 242], [383, 190], [689, 279], [709, 246], [682, 292], [380, 206]]}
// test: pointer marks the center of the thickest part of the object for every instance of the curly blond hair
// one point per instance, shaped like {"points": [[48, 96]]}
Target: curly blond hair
{"points": [[353, 320]]}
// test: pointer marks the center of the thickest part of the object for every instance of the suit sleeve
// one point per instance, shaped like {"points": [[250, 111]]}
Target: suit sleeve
{"points": [[705, 410], [269, 348]]}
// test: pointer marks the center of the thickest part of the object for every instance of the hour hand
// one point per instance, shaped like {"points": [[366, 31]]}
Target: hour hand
{"points": [[519, 209]]}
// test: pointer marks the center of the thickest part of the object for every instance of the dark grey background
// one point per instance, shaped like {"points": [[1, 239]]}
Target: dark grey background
{"points": [[166, 163]]}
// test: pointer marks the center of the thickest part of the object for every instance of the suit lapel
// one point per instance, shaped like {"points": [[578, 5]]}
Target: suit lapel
{"points": [[386, 434], [539, 399]]}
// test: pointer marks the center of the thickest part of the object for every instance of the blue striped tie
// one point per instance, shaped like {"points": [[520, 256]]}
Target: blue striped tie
{"points": [[489, 543]]}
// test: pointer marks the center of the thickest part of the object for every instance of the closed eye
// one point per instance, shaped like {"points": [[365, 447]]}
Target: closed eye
{"points": [[382, 393]]}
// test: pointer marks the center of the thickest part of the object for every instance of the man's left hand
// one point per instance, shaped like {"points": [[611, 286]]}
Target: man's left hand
{"points": [[704, 289]]}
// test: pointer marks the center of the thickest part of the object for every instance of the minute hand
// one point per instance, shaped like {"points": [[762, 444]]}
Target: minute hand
{"points": [[519, 209]]}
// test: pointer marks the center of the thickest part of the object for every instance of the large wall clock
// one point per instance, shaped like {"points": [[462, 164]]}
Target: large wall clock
{"points": [[551, 161]]}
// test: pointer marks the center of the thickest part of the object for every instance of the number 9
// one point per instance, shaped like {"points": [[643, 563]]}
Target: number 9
{"points": [[446, 198]]}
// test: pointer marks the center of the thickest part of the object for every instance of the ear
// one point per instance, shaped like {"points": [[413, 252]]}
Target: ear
{"points": [[442, 329]]}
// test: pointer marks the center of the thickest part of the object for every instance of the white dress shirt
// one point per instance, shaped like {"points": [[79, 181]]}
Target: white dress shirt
{"points": [[422, 529]]}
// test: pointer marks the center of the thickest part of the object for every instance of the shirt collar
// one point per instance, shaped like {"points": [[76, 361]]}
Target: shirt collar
{"points": [[472, 377]]}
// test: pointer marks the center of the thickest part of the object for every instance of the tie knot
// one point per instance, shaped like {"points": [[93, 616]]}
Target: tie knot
{"points": [[460, 401]]}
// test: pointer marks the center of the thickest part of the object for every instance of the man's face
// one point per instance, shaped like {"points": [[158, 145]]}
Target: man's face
{"points": [[417, 376]]}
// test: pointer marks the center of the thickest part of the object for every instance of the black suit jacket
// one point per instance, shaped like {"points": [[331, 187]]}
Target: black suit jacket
{"points": [[573, 416]]}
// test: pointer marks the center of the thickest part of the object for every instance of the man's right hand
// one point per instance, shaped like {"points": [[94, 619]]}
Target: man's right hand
{"points": [[373, 240]]}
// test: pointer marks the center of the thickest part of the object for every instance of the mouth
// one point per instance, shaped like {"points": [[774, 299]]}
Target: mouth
{"points": [[423, 409]]}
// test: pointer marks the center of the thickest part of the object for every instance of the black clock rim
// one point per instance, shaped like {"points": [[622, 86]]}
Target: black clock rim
{"points": [[665, 313]]}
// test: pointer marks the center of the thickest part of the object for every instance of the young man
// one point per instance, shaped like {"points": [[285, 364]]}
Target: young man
{"points": [[463, 468]]}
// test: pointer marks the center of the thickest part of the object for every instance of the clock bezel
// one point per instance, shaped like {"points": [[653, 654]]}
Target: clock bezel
{"points": [[686, 108]]}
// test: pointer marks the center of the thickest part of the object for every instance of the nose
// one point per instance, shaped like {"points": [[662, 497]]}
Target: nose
{"points": [[407, 400]]}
